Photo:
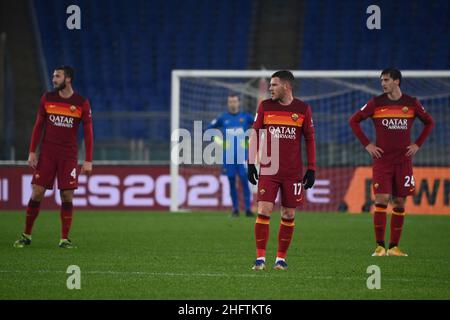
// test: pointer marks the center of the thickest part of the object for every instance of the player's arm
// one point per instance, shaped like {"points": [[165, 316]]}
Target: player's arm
{"points": [[428, 122], [310, 142], [366, 111], [37, 133], [216, 124], [88, 138], [250, 118], [248, 124], [258, 123]]}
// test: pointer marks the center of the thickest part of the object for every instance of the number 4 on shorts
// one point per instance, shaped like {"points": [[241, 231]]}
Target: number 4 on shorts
{"points": [[73, 174]]}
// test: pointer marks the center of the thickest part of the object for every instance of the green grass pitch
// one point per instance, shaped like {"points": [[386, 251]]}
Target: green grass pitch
{"points": [[160, 255]]}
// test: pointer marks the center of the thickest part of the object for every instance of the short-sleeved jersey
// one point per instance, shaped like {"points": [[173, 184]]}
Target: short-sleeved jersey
{"points": [[393, 121], [233, 125], [62, 119], [287, 124]]}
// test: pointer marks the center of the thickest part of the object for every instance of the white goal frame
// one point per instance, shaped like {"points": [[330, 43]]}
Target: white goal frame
{"points": [[175, 97]]}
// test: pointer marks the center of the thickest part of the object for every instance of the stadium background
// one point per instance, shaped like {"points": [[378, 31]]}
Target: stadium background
{"points": [[124, 55]]}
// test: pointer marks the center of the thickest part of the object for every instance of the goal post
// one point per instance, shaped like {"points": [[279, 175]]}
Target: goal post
{"points": [[333, 95]]}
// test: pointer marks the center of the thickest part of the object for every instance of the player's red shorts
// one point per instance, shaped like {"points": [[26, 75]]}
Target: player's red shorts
{"points": [[292, 194], [51, 166], [394, 179]]}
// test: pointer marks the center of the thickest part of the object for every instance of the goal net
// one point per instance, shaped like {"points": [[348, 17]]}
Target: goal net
{"points": [[343, 174]]}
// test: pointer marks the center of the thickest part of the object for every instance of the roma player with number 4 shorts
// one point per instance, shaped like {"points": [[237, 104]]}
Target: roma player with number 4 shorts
{"points": [[59, 116]]}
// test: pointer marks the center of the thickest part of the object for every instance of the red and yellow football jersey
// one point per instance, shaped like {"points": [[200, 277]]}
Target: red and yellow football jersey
{"points": [[60, 119], [286, 124], [393, 121]]}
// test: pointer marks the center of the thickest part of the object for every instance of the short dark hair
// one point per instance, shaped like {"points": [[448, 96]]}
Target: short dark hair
{"points": [[68, 71], [284, 75], [233, 94], [394, 73]]}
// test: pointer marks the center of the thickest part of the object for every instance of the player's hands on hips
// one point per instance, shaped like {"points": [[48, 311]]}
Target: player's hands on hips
{"points": [[309, 179], [252, 173], [32, 160], [86, 168], [374, 151], [412, 150]]}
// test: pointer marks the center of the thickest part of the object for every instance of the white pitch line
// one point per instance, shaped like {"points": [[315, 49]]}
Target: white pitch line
{"points": [[139, 273], [225, 275]]}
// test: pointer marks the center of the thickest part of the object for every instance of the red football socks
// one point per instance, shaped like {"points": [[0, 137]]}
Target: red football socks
{"points": [[66, 218], [261, 234], [32, 213], [379, 221], [397, 218], [285, 236]]}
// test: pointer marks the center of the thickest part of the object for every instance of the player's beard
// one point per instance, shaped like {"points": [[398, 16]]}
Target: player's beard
{"points": [[234, 111], [277, 99], [60, 87]]}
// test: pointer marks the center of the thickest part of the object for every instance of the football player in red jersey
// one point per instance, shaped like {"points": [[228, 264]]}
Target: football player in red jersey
{"points": [[393, 114], [59, 116], [284, 120]]}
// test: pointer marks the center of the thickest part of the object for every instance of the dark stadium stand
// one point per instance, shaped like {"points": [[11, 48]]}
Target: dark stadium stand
{"points": [[126, 50], [335, 36]]}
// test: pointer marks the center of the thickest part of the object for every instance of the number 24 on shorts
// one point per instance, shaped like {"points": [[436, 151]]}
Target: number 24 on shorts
{"points": [[409, 181]]}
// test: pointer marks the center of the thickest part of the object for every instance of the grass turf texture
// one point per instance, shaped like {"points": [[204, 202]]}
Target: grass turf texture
{"points": [[137, 255]]}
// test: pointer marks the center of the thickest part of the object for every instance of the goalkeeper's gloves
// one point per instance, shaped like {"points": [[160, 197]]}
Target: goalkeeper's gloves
{"points": [[252, 174], [220, 142], [309, 179]]}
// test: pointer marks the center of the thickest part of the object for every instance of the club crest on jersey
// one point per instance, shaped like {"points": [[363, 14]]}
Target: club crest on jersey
{"points": [[262, 191], [376, 185], [294, 116], [241, 119], [73, 108], [405, 109]]}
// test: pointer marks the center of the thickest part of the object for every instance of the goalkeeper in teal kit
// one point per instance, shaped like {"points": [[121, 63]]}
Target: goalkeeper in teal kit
{"points": [[234, 124]]}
